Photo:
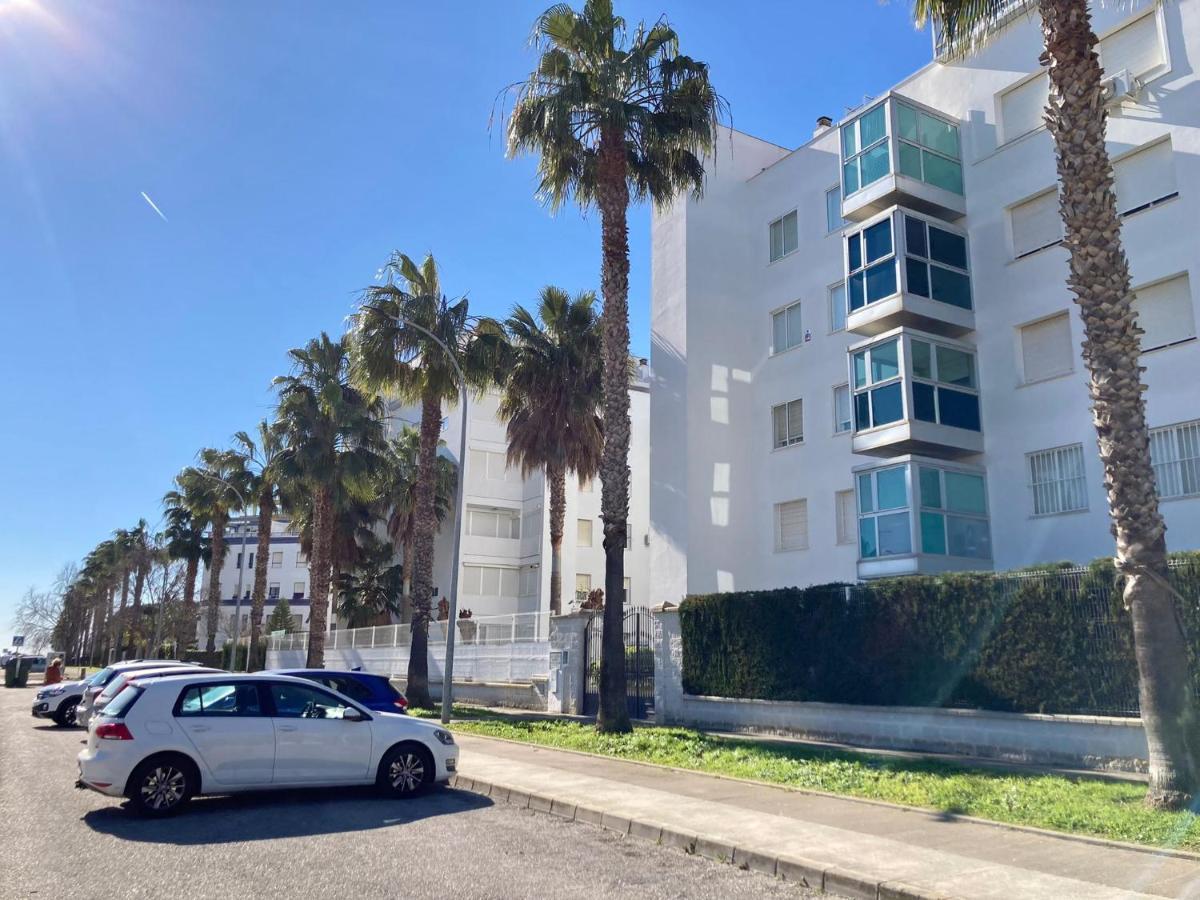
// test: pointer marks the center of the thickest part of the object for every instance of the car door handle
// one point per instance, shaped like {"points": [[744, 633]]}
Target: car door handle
{"points": [[286, 727], [195, 728]]}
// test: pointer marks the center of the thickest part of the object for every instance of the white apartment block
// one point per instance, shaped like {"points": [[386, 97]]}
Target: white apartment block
{"points": [[865, 355]]}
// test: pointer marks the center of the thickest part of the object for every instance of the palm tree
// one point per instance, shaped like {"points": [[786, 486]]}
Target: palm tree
{"points": [[392, 353], [186, 541], [332, 436], [613, 119], [551, 402], [1099, 278], [371, 589], [120, 549], [262, 462], [142, 553]]}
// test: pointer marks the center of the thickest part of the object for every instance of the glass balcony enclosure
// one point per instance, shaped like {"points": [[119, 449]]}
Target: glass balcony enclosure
{"points": [[898, 151], [917, 514], [915, 392], [904, 268]]}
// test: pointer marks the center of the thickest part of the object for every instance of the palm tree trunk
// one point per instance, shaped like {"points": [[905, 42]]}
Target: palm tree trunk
{"points": [[266, 508], [406, 552], [1099, 278], [557, 476], [425, 529], [187, 630], [117, 626], [139, 587], [322, 524], [214, 580], [613, 199]]}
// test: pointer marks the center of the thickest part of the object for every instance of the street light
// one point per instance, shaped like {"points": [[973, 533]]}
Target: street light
{"points": [[459, 498], [237, 604]]}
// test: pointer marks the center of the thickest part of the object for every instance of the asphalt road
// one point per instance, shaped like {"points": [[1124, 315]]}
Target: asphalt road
{"points": [[56, 841]]}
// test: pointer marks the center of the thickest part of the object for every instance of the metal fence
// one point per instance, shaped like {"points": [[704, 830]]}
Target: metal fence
{"points": [[506, 629]]}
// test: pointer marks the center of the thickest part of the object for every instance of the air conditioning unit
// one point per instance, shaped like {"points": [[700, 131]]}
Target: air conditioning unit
{"points": [[1119, 87]]}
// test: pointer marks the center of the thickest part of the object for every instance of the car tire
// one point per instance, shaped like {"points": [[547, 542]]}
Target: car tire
{"points": [[406, 770], [64, 716], [161, 785]]}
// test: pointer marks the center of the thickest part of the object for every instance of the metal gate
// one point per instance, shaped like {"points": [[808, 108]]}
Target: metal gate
{"points": [[639, 663]]}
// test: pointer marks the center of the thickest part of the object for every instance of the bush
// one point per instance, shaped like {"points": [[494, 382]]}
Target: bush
{"points": [[1056, 640]]}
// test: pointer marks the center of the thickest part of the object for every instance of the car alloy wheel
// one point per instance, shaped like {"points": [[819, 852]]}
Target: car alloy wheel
{"points": [[68, 714], [407, 772], [163, 788]]}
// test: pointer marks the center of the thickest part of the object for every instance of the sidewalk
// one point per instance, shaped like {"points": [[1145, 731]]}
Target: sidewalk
{"points": [[847, 847]]}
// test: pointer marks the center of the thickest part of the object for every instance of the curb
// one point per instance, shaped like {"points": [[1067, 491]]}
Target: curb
{"points": [[805, 872]]}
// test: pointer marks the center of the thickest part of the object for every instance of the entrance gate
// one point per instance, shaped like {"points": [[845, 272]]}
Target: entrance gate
{"points": [[639, 663]]}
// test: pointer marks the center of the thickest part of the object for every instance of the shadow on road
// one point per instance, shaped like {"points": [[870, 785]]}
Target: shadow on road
{"points": [[262, 816]]}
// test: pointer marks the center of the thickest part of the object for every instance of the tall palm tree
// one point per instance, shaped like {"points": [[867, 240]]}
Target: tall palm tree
{"points": [[393, 356], [613, 118], [371, 588], [1099, 278], [142, 554], [185, 512], [262, 462], [332, 436], [120, 549], [551, 402]]}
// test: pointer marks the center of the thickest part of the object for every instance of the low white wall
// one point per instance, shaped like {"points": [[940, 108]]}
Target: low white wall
{"points": [[1085, 742], [520, 662]]}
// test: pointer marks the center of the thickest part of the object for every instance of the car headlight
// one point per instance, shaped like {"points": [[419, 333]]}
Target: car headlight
{"points": [[51, 692], [444, 736]]}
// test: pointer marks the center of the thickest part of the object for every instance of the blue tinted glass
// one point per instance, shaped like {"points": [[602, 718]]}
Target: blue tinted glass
{"points": [[887, 404], [881, 280], [854, 252], [850, 177], [857, 291], [875, 164], [867, 546], [860, 369], [968, 537], [849, 146], [910, 160], [894, 537], [864, 493], [931, 488], [922, 359], [933, 533], [941, 172], [885, 363], [947, 248], [949, 287], [938, 135], [872, 126], [923, 407], [914, 236], [906, 122], [958, 409], [918, 276], [890, 488], [964, 493], [862, 411], [878, 239]]}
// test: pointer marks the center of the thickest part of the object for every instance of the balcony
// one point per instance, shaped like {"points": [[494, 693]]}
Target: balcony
{"points": [[915, 392], [903, 268], [919, 515], [900, 152]]}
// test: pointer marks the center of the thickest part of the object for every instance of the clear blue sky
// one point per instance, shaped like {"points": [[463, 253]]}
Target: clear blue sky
{"points": [[290, 147]]}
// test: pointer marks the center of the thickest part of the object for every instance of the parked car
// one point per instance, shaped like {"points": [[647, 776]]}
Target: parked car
{"points": [[131, 676], [100, 680], [60, 701], [372, 691], [164, 740]]}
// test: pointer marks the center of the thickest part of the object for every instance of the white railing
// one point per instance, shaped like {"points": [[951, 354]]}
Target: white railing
{"points": [[485, 630]]}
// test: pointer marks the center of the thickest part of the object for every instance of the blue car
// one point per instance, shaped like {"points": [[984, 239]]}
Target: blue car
{"points": [[374, 692]]}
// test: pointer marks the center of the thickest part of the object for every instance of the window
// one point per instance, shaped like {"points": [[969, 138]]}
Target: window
{"points": [[273, 591], [628, 536], [583, 533], [251, 564], [301, 558], [935, 263], [297, 590], [493, 523], [878, 392], [865, 150], [1175, 454], [1136, 48], [300, 701], [884, 528], [220, 700], [1145, 178], [944, 388], [238, 563], [953, 514], [785, 236], [788, 423], [1036, 224], [833, 209], [847, 518], [628, 587], [842, 419], [791, 525], [928, 149], [1023, 107], [491, 465], [837, 307], [1164, 311], [583, 586], [528, 582], [785, 328], [489, 581], [277, 559], [1057, 480], [871, 264], [1046, 348], [586, 485]]}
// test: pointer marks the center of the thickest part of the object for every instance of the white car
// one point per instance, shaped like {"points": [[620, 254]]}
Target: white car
{"points": [[60, 701], [130, 676], [98, 682], [162, 741]]}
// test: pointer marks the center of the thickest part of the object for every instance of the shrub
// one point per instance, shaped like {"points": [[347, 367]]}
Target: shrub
{"points": [[1052, 640]]}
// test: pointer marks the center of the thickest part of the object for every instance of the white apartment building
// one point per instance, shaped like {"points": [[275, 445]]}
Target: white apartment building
{"points": [[865, 355], [287, 576]]}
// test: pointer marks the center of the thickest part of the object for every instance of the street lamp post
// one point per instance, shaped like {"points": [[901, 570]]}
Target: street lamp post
{"points": [[237, 600], [459, 501]]}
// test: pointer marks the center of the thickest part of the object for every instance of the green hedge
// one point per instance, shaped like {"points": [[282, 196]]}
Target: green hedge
{"points": [[1055, 640]]}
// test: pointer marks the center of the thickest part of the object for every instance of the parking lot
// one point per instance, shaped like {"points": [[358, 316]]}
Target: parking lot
{"points": [[62, 842]]}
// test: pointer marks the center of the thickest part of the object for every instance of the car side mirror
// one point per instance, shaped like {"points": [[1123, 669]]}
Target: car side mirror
{"points": [[353, 715]]}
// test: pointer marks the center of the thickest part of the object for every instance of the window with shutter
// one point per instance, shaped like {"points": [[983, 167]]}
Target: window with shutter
{"points": [[1046, 348], [787, 421], [847, 517], [1036, 224], [1057, 480], [791, 525], [1175, 455], [1136, 48], [1145, 178], [1165, 313], [583, 533], [1022, 108]]}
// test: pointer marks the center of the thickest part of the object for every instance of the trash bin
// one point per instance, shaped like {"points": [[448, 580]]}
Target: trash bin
{"points": [[16, 671]]}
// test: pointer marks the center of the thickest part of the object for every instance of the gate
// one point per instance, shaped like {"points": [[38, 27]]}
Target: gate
{"points": [[639, 663]]}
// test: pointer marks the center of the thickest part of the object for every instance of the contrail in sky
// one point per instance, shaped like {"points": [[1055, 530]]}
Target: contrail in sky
{"points": [[153, 206]]}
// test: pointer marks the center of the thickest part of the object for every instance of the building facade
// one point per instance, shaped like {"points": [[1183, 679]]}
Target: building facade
{"points": [[865, 355]]}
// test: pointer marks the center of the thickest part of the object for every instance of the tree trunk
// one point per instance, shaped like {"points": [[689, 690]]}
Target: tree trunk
{"points": [[214, 580], [557, 476], [406, 558], [117, 626], [187, 631], [266, 508], [1099, 278], [139, 587], [322, 525], [613, 199], [424, 531]]}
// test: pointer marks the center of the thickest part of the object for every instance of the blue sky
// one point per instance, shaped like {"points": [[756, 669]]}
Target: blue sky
{"points": [[290, 147]]}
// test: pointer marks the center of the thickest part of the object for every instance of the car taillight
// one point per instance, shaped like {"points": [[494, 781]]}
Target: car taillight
{"points": [[113, 731], [401, 702]]}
